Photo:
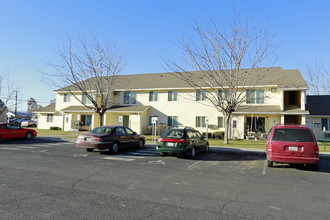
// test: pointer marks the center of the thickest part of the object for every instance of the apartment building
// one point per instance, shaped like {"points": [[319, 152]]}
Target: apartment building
{"points": [[279, 97]]}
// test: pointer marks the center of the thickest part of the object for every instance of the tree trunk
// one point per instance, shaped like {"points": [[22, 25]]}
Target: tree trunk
{"points": [[225, 138], [101, 118]]}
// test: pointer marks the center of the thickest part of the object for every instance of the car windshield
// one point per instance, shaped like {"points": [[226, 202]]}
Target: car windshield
{"points": [[101, 130], [293, 135], [173, 133]]}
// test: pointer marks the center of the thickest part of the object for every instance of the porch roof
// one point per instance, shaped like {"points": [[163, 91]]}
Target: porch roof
{"points": [[124, 109], [129, 109], [269, 110], [77, 108]]}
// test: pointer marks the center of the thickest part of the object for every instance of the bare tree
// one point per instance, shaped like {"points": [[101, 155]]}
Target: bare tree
{"points": [[89, 67], [318, 77], [8, 89], [217, 56]]}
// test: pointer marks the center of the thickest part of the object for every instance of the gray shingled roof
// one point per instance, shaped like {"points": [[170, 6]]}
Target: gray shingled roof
{"points": [[48, 109], [282, 79], [318, 104]]}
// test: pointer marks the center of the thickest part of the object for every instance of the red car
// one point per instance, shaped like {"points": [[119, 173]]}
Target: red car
{"points": [[8, 130], [113, 138], [293, 144]]}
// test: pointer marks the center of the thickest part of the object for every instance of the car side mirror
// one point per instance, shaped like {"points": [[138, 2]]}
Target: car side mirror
{"points": [[134, 133]]}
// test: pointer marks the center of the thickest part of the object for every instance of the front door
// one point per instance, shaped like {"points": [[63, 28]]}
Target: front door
{"points": [[126, 120]]}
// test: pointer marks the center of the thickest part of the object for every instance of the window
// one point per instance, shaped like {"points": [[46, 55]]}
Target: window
{"points": [[85, 100], [293, 135], [223, 94], [153, 96], [200, 95], [172, 121], [255, 96], [49, 117], [325, 123], [129, 97], [172, 96], [67, 98], [221, 122], [120, 131], [200, 122], [129, 131], [86, 120]]}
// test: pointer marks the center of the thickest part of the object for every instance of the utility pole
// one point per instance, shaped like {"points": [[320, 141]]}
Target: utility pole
{"points": [[16, 104]]}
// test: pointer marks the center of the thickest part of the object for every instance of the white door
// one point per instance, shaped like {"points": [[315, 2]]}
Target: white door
{"points": [[67, 122]]}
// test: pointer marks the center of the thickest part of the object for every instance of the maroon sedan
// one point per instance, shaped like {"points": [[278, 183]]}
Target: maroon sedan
{"points": [[110, 137], [8, 130]]}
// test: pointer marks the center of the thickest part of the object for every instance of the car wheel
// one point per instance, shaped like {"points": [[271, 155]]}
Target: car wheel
{"points": [[193, 153], [28, 136], [89, 149], [207, 148], [115, 148], [141, 144], [163, 154], [269, 163]]}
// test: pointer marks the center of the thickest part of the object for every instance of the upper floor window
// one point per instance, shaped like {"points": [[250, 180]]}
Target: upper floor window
{"points": [[172, 121], [200, 95], [129, 97], [255, 96], [172, 95], [67, 97], [153, 96], [223, 94], [200, 122], [85, 100]]}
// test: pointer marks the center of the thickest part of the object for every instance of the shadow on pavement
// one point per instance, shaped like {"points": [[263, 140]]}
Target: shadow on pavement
{"points": [[35, 140]]}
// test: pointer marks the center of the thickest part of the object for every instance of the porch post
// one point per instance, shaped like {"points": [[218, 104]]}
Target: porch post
{"points": [[282, 101], [282, 119]]}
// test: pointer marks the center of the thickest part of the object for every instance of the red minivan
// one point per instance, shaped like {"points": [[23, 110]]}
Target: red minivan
{"points": [[293, 144]]}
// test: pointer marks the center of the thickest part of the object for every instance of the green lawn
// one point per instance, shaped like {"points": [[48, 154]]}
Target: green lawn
{"points": [[213, 142]]}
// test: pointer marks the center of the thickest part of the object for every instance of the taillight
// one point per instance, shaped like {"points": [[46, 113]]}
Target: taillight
{"points": [[317, 150], [183, 141], [97, 139], [80, 138]]}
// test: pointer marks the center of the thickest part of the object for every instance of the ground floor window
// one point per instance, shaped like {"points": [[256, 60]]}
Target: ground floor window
{"points": [[86, 120], [49, 117], [200, 122], [172, 120], [255, 124], [325, 123], [221, 122]]}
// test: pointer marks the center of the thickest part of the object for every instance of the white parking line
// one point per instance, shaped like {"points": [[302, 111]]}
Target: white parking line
{"points": [[117, 158], [8, 148], [265, 166], [194, 164], [26, 147]]}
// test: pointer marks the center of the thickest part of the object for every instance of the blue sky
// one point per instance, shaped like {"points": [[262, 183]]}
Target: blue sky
{"points": [[30, 32]]}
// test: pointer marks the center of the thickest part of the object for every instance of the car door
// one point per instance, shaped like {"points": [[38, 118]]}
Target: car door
{"points": [[121, 137], [132, 138], [15, 131], [4, 131], [198, 141]]}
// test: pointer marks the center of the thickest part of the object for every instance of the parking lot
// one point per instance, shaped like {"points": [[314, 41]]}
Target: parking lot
{"points": [[49, 178]]}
